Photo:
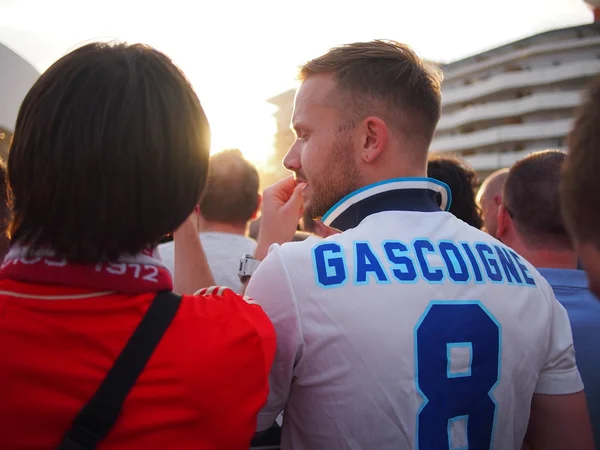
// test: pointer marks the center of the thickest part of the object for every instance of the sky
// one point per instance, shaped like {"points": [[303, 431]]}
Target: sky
{"points": [[239, 53]]}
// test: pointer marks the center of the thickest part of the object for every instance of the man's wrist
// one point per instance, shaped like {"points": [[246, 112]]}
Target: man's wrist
{"points": [[264, 243], [261, 251]]}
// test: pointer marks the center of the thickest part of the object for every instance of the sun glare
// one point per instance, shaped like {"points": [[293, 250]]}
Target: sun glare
{"points": [[252, 135]]}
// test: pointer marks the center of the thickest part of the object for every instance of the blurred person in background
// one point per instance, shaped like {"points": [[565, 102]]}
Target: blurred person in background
{"points": [[530, 221], [229, 202], [110, 154], [254, 228], [580, 186], [301, 233], [489, 198], [462, 181], [408, 329]]}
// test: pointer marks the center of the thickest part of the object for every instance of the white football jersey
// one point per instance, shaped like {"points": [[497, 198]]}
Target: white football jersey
{"points": [[409, 330]]}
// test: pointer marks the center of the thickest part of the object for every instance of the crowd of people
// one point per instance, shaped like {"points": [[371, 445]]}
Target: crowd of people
{"points": [[378, 298]]}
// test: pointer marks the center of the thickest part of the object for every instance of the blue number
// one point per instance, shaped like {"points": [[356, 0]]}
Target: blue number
{"points": [[457, 360]]}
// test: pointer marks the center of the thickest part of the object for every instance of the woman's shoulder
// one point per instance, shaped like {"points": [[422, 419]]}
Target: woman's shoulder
{"points": [[218, 305]]}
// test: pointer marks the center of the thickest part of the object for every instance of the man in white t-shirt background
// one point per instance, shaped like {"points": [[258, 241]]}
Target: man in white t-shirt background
{"points": [[230, 201], [410, 329]]}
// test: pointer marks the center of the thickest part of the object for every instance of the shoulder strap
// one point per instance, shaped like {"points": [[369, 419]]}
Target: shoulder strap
{"points": [[99, 415]]}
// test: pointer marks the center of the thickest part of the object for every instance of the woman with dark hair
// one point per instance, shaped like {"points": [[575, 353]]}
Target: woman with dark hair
{"points": [[4, 211], [110, 154], [462, 180]]}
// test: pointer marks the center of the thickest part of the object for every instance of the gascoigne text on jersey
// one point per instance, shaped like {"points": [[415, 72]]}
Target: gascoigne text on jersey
{"points": [[433, 262]]}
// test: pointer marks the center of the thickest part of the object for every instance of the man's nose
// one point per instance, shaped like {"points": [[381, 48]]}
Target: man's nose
{"points": [[291, 161]]}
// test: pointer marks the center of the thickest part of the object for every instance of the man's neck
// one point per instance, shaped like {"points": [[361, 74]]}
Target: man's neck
{"points": [[550, 259], [205, 226]]}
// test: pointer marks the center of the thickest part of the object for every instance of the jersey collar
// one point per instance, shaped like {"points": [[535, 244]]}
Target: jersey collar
{"points": [[397, 194]]}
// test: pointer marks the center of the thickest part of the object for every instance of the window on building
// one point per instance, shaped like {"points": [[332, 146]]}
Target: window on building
{"points": [[513, 120], [513, 68]]}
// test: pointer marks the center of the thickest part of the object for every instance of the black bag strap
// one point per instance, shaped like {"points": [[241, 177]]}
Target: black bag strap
{"points": [[99, 415]]}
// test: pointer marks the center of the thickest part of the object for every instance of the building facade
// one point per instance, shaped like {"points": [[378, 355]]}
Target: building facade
{"points": [[284, 136], [499, 105]]}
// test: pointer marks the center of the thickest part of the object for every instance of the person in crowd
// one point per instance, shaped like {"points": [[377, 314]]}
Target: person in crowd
{"points": [[410, 329], [530, 222], [489, 198], [299, 235], [228, 204], [254, 228], [4, 211], [462, 181], [580, 186], [110, 154]]}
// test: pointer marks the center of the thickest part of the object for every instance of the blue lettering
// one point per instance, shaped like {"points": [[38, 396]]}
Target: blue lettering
{"points": [[452, 258], [420, 246], [476, 270], [466, 394], [510, 270], [489, 263], [523, 268], [403, 267], [330, 269], [367, 262]]}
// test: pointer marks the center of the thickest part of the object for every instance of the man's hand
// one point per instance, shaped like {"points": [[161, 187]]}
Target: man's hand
{"points": [[282, 208]]}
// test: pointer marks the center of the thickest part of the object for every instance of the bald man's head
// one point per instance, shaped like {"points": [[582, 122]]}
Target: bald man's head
{"points": [[489, 199]]}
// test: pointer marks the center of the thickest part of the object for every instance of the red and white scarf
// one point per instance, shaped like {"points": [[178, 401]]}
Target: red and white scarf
{"points": [[133, 274]]}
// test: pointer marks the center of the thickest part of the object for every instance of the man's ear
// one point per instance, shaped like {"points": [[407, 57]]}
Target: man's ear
{"points": [[374, 138], [258, 207], [497, 199], [504, 222]]}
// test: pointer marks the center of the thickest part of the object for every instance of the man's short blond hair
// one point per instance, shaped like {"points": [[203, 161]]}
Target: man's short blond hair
{"points": [[384, 78]]}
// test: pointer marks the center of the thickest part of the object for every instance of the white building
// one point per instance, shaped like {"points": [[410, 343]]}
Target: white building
{"points": [[504, 103], [17, 78]]}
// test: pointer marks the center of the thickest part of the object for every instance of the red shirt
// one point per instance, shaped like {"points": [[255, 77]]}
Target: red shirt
{"points": [[201, 389]]}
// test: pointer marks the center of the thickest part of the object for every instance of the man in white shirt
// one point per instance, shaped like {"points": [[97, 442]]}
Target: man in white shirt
{"points": [[229, 202], [410, 329]]}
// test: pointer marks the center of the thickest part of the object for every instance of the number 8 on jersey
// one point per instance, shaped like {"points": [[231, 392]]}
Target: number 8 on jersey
{"points": [[457, 361]]}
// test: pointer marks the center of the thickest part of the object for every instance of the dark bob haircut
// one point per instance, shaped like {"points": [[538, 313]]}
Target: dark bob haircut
{"points": [[110, 153]]}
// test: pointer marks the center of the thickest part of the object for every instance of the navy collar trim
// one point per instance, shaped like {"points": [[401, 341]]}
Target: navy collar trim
{"points": [[397, 194]]}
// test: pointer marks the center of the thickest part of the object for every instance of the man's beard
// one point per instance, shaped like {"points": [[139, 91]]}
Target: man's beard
{"points": [[336, 179]]}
